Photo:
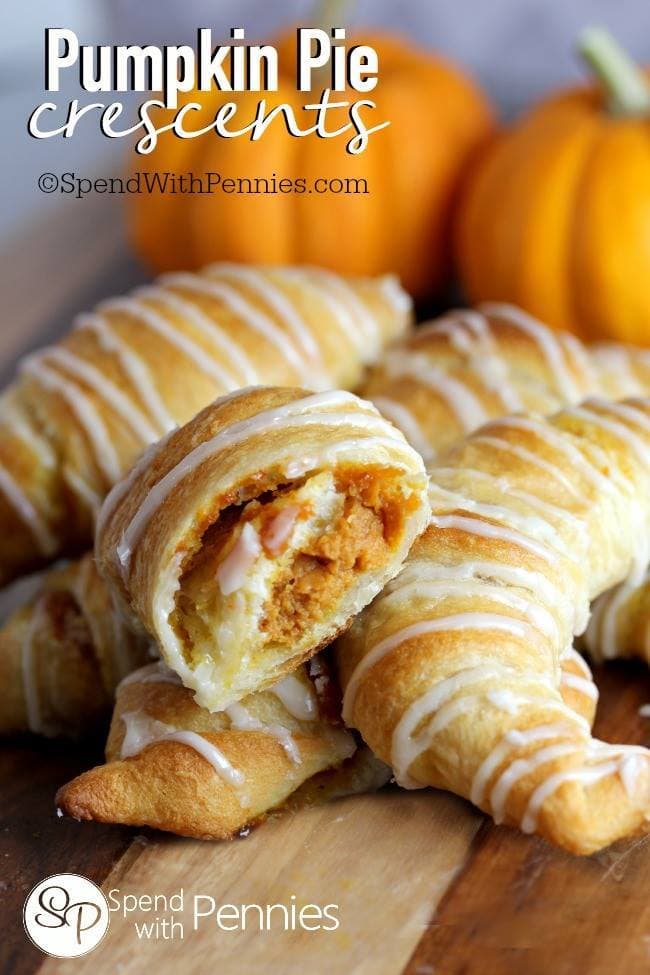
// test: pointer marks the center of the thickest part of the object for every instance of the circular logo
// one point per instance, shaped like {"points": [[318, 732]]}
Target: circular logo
{"points": [[66, 915]]}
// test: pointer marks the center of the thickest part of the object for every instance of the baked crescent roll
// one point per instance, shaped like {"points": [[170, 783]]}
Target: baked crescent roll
{"points": [[80, 412], [471, 365], [250, 537], [175, 766], [453, 674], [62, 654]]}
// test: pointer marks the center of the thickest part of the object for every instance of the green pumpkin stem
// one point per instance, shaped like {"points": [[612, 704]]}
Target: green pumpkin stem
{"points": [[626, 87], [330, 13]]}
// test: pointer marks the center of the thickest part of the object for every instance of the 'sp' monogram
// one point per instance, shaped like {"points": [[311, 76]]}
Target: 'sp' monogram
{"points": [[66, 915]]}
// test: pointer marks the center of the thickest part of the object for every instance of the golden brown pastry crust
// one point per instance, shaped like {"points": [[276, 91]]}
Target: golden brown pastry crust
{"points": [[63, 653], [531, 519], [169, 785], [81, 412], [471, 365], [211, 484]]}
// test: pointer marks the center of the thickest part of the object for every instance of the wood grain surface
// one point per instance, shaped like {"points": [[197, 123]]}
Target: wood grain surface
{"points": [[425, 885]]}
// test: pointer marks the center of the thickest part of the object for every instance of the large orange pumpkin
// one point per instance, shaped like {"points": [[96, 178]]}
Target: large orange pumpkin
{"points": [[555, 216], [412, 169]]}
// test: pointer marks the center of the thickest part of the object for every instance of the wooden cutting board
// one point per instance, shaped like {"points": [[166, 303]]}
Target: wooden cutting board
{"points": [[423, 883]]}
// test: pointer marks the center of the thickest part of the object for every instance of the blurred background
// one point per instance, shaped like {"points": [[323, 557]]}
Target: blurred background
{"points": [[517, 49]]}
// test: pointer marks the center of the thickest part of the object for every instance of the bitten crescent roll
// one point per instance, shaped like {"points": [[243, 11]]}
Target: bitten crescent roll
{"points": [[472, 365], [80, 412], [453, 673], [174, 766], [62, 654], [251, 536]]}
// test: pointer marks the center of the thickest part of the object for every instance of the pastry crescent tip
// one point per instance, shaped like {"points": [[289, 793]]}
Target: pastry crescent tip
{"points": [[174, 766]]}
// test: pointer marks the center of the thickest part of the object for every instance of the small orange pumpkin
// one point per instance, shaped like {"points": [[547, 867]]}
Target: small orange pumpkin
{"points": [[555, 216], [412, 169]]}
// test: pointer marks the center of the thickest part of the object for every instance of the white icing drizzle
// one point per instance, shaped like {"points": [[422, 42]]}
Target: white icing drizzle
{"points": [[505, 699], [460, 400], [83, 409], [639, 447], [121, 488], [579, 661], [392, 290], [463, 337], [142, 731], [615, 360], [261, 283], [83, 490], [528, 524], [469, 334], [530, 458], [628, 411], [600, 760], [407, 422], [511, 740], [243, 720], [261, 323], [503, 486], [338, 309], [436, 591], [155, 322], [486, 573], [582, 357], [629, 770], [233, 352], [581, 684], [602, 636], [232, 572], [458, 621], [364, 321], [295, 414], [296, 697], [153, 673], [585, 773], [629, 762], [519, 769], [439, 707], [15, 421], [22, 505], [132, 366], [474, 526], [114, 397], [560, 442], [191, 314], [545, 340]]}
